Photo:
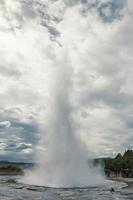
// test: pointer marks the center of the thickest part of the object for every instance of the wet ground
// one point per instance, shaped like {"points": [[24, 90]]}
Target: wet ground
{"points": [[11, 189]]}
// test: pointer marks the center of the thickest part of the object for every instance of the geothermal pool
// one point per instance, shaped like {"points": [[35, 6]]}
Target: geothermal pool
{"points": [[11, 189]]}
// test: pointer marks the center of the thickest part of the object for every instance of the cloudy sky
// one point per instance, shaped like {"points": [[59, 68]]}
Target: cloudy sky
{"points": [[89, 42]]}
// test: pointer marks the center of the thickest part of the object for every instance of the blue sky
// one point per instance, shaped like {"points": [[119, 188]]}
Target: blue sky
{"points": [[17, 140], [93, 37]]}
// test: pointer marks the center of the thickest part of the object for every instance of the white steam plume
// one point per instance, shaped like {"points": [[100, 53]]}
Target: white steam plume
{"points": [[64, 163]]}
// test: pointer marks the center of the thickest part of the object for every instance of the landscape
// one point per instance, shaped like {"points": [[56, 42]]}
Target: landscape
{"points": [[66, 100], [119, 166]]}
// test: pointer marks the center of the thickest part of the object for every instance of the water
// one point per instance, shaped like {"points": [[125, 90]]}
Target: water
{"points": [[11, 189]]}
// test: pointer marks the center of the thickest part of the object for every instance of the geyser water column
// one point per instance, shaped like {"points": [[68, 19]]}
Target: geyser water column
{"points": [[45, 40], [64, 163], [51, 49]]}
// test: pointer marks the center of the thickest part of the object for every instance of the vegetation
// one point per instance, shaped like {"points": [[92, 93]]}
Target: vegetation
{"points": [[14, 168], [10, 168], [119, 163]]}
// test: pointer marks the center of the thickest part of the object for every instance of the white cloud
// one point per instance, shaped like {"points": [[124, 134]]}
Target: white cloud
{"points": [[99, 58], [2, 146], [27, 151], [5, 124]]}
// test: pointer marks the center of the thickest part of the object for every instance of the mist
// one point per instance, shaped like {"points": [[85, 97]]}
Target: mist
{"points": [[64, 163]]}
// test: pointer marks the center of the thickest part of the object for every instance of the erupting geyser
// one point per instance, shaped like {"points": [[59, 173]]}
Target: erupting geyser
{"points": [[65, 67], [64, 163], [52, 46]]}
